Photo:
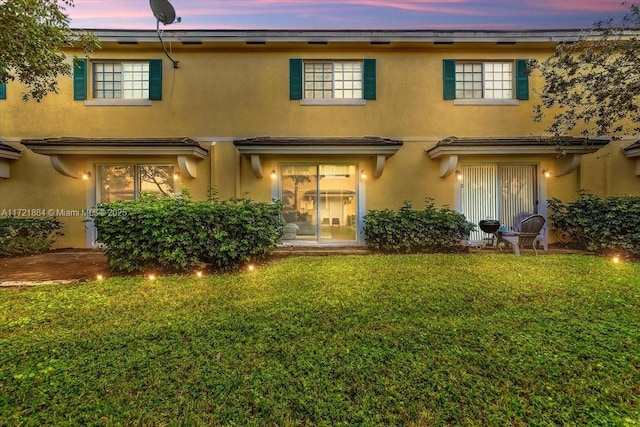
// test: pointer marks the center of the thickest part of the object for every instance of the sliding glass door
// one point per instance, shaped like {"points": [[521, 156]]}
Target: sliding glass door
{"points": [[320, 202], [498, 191]]}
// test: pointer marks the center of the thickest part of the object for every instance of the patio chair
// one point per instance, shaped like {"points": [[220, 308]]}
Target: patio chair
{"points": [[530, 228], [542, 237]]}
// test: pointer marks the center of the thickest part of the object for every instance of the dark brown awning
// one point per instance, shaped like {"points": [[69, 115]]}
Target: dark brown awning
{"points": [[567, 149], [61, 149], [381, 148]]}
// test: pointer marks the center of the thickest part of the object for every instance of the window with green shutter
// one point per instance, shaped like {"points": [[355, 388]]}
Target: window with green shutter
{"points": [[490, 80], [130, 80], [332, 80]]}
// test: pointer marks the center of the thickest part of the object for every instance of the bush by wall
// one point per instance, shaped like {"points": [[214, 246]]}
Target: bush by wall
{"points": [[27, 236], [600, 224], [179, 234], [407, 230]]}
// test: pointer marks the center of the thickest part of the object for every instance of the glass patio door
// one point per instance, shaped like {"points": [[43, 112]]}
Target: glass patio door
{"points": [[497, 191], [320, 203]]}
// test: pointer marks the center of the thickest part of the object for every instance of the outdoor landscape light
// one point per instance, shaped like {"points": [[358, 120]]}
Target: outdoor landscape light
{"points": [[99, 277], [251, 267], [615, 259], [546, 173], [151, 277], [198, 273]]}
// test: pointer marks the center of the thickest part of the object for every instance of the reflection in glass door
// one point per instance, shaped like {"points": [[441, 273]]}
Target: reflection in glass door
{"points": [[320, 203], [299, 186]]}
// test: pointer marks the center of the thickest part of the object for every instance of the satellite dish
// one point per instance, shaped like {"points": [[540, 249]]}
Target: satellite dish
{"points": [[163, 11]]}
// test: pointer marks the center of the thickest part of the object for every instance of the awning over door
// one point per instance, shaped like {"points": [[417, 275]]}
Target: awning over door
{"points": [[63, 151], [567, 150], [380, 148]]}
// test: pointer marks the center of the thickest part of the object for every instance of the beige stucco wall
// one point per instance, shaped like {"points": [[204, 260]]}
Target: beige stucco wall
{"points": [[238, 91]]}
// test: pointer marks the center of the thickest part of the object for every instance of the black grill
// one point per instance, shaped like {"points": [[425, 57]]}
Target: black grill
{"points": [[489, 226]]}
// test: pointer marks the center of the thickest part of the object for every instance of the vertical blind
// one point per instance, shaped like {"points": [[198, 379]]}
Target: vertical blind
{"points": [[497, 191]]}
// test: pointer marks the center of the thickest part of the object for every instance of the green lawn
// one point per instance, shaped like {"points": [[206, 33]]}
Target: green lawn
{"points": [[477, 339]]}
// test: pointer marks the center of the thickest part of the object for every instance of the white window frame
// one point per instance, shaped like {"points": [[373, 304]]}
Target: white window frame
{"points": [[127, 87], [339, 88], [486, 83]]}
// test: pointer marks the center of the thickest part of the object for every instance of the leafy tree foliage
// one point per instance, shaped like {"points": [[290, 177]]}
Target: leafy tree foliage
{"points": [[33, 34], [594, 82]]}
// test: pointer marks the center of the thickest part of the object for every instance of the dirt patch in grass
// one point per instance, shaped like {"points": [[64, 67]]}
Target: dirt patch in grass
{"points": [[61, 264]]}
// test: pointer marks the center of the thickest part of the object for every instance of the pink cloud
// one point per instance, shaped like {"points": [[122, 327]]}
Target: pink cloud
{"points": [[432, 14], [583, 5]]}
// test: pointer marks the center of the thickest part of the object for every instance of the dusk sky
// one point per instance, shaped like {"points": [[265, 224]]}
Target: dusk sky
{"points": [[349, 14]]}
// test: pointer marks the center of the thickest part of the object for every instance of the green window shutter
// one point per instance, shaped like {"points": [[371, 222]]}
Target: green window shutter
{"points": [[522, 79], [449, 78], [369, 77], [80, 79], [155, 79], [295, 78]]}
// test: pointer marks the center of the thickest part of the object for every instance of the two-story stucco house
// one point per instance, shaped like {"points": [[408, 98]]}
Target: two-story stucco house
{"points": [[333, 123]]}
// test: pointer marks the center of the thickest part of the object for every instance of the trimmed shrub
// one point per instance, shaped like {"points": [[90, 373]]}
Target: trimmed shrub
{"points": [[600, 224], [406, 230], [27, 236], [175, 234]]}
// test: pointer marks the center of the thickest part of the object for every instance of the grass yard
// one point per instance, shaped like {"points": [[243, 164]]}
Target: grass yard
{"points": [[421, 340]]}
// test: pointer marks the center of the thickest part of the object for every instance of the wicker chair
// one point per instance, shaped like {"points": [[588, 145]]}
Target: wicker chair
{"points": [[542, 237], [530, 229]]}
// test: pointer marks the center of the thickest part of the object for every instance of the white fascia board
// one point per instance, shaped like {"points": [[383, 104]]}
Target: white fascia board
{"points": [[9, 154], [437, 152], [398, 36], [120, 151], [330, 149]]}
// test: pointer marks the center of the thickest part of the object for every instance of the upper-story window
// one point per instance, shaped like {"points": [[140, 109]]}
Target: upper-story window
{"points": [[489, 80], [121, 80], [117, 83], [492, 82], [342, 80]]}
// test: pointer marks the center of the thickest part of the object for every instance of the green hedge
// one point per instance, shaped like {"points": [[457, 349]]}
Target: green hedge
{"points": [[179, 234], [407, 230], [610, 224], [27, 236]]}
